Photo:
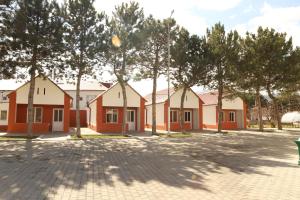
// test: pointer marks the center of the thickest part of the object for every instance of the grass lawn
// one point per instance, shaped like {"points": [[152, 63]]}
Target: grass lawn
{"points": [[175, 135], [83, 137], [5, 138]]}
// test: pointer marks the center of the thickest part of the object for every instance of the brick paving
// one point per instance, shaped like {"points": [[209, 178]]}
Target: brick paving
{"points": [[238, 166]]}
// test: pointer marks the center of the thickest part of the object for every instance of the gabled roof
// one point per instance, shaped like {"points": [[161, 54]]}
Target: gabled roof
{"points": [[162, 95], [45, 78], [114, 85], [209, 98], [88, 85]]}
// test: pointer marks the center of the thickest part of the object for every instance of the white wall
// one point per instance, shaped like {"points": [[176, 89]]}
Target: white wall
{"points": [[149, 114], [4, 106], [159, 114], [93, 113], [53, 95], [191, 100], [86, 96], [209, 114], [235, 104], [114, 97]]}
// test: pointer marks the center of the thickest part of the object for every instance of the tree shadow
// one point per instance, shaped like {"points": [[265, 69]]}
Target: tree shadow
{"points": [[41, 170]]}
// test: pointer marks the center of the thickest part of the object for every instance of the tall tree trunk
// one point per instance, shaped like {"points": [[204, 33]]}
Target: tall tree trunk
{"points": [[124, 122], [154, 101], [258, 102], [123, 87], [276, 110], [220, 97], [78, 130], [30, 101], [181, 113]]}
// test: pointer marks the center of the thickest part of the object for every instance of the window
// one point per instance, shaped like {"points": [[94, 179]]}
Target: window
{"points": [[187, 116], [38, 91], [130, 116], [58, 115], [44, 91], [232, 116], [119, 95], [37, 115], [174, 116], [111, 116], [3, 115]]}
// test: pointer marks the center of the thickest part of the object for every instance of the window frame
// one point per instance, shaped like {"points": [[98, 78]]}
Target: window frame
{"points": [[171, 116], [34, 115], [190, 114], [1, 119], [116, 113], [234, 118]]}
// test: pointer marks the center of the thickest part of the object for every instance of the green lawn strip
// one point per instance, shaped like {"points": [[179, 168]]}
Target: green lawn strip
{"points": [[175, 135], [74, 137], [7, 138]]}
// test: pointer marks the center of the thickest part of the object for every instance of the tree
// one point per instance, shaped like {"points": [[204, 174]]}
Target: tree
{"points": [[280, 66], [126, 28], [36, 45], [223, 56], [189, 63], [85, 43], [7, 70], [153, 55]]}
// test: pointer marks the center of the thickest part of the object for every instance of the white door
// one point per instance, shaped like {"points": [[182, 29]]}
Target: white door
{"points": [[58, 122], [131, 120]]}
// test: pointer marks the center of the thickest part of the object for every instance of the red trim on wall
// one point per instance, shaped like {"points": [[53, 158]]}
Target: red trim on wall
{"points": [[245, 114], [12, 111], [99, 111], [166, 115], [226, 124], [200, 112], [17, 120], [142, 115], [3, 128], [67, 103], [83, 118]]}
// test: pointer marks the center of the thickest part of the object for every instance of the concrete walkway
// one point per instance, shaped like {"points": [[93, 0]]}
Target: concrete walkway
{"points": [[207, 166]]}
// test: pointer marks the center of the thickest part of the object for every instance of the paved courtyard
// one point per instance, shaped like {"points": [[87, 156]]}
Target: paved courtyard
{"points": [[207, 166]]}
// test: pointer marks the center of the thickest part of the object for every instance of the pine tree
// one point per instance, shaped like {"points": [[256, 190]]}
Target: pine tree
{"points": [[189, 65], [126, 30], [223, 56], [7, 69], [152, 57], [36, 45], [85, 43]]}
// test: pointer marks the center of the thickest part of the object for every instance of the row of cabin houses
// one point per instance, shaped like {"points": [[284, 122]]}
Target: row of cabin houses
{"points": [[102, 108]]}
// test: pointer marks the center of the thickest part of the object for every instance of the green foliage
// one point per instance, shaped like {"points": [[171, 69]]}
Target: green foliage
{"points": [[85, 38], [223, 57], [127, 24], [189, 60], [7, 70], [153, 54], [37, 35]]}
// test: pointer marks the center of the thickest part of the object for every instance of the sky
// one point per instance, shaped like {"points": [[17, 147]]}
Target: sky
{"points": [[198, 15]]}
